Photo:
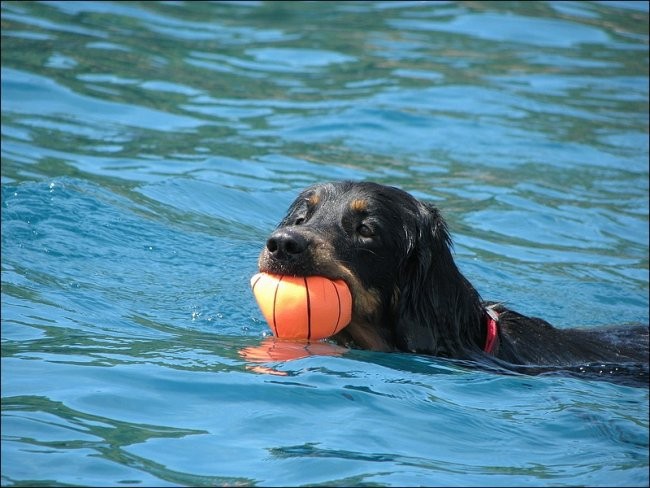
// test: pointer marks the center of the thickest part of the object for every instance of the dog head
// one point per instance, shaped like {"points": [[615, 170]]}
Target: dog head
{"points": [[393, 251]]}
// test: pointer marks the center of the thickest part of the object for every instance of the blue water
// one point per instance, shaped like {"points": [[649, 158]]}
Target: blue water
{"points": [[148, 149]]}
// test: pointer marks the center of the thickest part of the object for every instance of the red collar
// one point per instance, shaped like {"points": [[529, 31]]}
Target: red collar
{"points": [[492, 331]]}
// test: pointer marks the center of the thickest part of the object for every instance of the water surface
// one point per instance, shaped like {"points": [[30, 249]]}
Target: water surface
{"points": [[149, 148]]}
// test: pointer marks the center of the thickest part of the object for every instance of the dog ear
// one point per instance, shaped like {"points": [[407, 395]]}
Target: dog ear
{"points": [[436, 306]]}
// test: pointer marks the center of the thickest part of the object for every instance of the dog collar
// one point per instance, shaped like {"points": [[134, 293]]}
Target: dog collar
{"points": [[492, 330]]}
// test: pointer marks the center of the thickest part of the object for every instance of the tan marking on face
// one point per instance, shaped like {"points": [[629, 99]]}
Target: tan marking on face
{"points": [[362, 333], [313, 200], [359, 205], [366, 302]]}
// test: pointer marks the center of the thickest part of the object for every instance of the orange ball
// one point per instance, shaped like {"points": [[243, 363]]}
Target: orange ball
{"points": [[303, 307]]}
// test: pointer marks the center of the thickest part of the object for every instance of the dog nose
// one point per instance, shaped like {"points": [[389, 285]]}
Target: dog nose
{"points": [[286, 243]]}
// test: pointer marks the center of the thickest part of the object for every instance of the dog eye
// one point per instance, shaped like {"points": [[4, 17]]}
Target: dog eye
{"points": [[364, 231], [299, 221]]}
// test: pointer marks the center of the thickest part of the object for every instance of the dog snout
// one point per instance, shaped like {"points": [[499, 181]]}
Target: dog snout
{"points": [[287, 243]]}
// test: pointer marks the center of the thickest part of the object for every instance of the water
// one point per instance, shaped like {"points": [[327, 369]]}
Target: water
{"points": [[149, 148]]}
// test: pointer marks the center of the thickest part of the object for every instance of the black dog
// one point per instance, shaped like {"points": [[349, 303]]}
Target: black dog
{"points": [[394, 252]]}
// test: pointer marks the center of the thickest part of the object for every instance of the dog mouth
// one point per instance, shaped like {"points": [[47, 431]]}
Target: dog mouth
{"points": [[300, 252], [365, 300], [304, 266]]}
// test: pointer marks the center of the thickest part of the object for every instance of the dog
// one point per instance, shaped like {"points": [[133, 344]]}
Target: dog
{"points": [[395, 254]]}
